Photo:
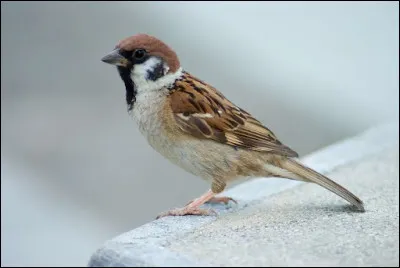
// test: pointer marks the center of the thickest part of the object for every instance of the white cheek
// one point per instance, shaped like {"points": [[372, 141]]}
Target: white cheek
{"points": [[140, 73], [140, 70]]}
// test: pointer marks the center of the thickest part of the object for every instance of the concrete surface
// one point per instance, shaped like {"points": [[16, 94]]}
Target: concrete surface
{"points": [[302, 225]]}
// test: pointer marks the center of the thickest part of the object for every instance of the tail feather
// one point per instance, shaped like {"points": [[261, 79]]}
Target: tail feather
{"points": [[312, 176]]}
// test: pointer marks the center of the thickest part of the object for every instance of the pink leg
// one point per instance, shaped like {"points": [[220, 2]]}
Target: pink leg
{"points": [[192, 208], [217, 200]]}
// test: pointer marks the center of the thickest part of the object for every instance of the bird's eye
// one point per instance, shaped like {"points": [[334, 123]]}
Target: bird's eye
{"points": [[139, 54]]}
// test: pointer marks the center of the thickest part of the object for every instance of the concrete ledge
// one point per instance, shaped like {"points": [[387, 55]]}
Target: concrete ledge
{"points": [[291, 224]]}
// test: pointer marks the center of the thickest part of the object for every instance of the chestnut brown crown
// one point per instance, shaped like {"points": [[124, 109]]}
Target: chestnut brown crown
{"points": [[137, 48]]}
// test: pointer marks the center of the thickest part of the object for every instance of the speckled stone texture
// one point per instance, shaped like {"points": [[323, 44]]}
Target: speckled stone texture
{"points": [[297, 224]]}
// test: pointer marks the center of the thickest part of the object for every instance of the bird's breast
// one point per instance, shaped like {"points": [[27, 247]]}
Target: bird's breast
{"points": [[146, 112], [204, 158]]}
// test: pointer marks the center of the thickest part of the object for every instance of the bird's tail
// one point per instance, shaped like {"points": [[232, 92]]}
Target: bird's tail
{"points": [[309, 175]]}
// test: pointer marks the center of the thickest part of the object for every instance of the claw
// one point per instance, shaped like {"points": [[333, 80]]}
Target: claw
{"points": [[192, 208], [217, 200]]}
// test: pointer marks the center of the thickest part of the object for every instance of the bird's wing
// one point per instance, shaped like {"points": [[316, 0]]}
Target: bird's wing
{"points": [[202, 111]]}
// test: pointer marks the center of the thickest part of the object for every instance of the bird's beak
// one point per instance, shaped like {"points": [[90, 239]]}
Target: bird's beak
{"points": [[115, 58]]}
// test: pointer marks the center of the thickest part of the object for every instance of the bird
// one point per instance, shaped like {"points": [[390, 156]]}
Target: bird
{"points": [[194, 126]]}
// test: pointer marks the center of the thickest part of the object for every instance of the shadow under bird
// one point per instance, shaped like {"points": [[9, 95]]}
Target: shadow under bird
{"points": [[196, 127]]}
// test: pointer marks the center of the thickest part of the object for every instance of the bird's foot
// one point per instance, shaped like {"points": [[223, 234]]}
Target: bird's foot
{"points": [[217, 200], [221, 199], [187, 211]]}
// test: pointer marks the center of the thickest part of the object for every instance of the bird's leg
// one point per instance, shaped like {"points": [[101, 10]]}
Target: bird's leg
{"points": [[192, 208], [218, 187]]}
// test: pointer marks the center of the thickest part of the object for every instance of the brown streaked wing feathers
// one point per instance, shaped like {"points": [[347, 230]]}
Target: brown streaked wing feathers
{"points": [[226, 123]]}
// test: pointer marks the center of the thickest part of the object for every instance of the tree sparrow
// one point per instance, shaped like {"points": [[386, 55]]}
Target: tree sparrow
{"points": [[197, 128]]}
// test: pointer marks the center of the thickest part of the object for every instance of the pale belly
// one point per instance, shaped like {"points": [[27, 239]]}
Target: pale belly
{"points": [[205, 159]]}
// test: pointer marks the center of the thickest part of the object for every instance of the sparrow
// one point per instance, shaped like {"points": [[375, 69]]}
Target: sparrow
{"points": [[194, 126]]}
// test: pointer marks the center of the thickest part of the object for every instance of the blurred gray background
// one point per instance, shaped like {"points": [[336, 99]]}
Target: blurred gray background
{"points": [[75, 169]]}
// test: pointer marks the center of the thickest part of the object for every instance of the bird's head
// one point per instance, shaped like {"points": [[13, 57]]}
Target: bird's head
{"points": [[144, 63]]}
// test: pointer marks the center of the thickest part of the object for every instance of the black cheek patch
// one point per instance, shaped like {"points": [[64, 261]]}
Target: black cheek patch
{"points": [[156, 73]]}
